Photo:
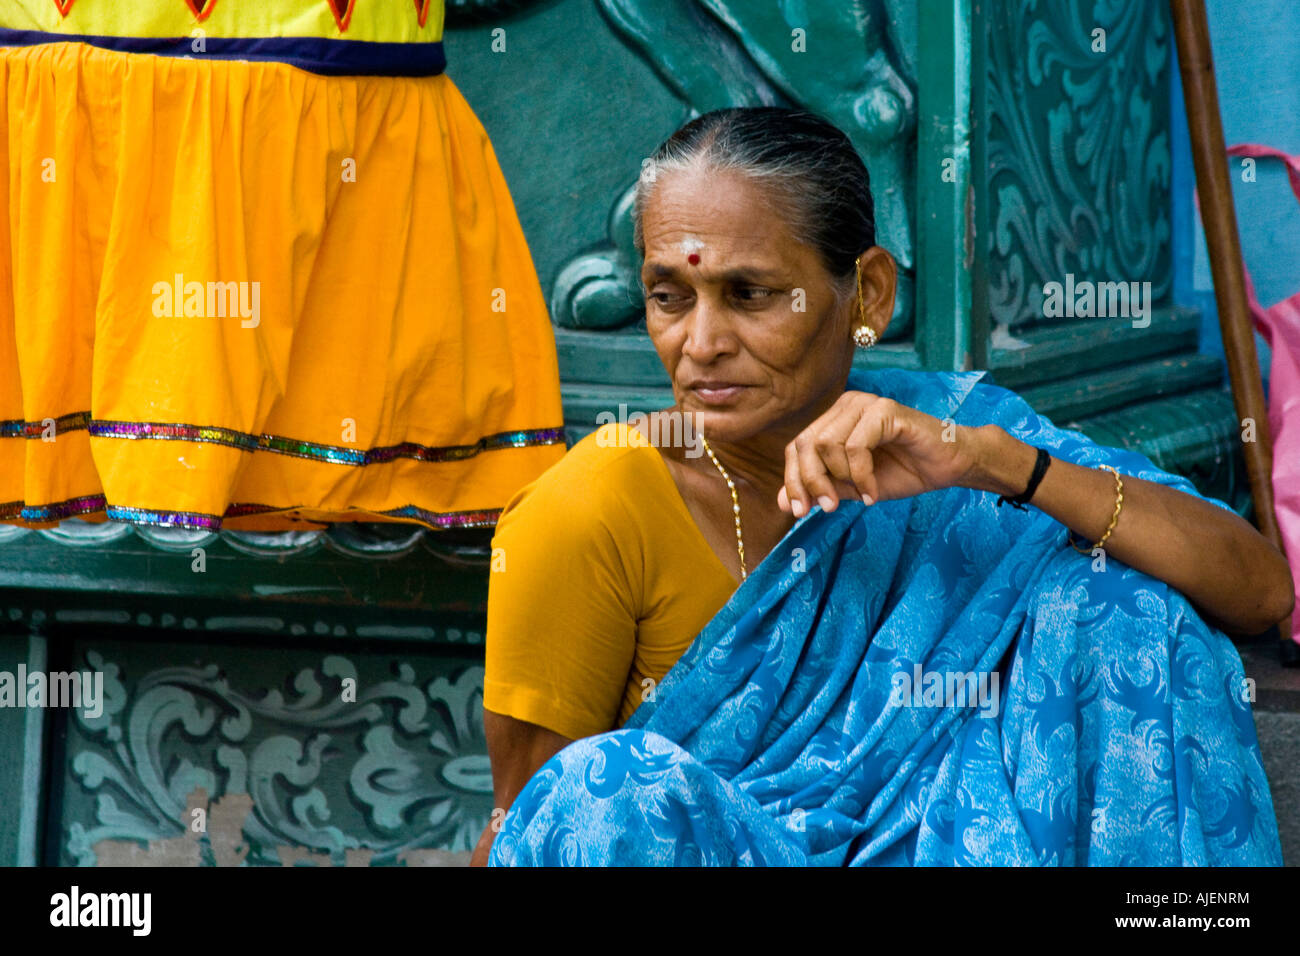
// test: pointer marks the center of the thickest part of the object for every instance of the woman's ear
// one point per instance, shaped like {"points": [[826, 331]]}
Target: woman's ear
{"points": [[878, 278]]}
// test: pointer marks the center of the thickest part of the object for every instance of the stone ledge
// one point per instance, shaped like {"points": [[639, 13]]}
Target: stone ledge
{"points": [[1277, 687]]}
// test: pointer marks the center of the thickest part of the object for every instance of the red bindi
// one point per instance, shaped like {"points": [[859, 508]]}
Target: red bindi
{"points": [[693, 258]]}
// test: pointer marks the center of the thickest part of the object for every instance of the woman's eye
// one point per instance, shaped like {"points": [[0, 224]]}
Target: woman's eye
{"points": [[665, 299], [753, 293]]}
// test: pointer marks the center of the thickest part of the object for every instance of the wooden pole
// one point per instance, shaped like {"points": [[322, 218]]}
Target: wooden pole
{"points": [[1210, 159]]}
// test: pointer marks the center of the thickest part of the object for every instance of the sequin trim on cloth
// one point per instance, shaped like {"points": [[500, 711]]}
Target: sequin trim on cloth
{"points": [[454, 519], [316, 451], [16, 428], [89, 504], [52, 512], [163, 519]]}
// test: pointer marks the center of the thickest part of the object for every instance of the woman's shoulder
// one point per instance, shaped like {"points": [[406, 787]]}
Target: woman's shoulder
{"points": [[936, 393], [591, 485], [607, 456]]}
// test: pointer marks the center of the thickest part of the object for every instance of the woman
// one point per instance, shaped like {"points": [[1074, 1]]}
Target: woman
{"points": [[835, 554], [264, 269]]}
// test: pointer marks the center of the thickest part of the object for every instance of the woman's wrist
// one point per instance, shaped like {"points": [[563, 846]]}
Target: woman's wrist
{"points": [[1002, 463]]}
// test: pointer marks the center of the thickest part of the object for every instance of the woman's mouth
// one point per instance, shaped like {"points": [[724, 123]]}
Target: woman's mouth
{"points": [[717, 393]]}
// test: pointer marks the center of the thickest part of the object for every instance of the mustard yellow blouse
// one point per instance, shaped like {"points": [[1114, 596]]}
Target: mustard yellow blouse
{"points": [[600, 582]]}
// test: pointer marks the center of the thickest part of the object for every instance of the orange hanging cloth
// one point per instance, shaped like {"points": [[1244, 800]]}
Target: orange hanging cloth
{"points": [[259, 269]]}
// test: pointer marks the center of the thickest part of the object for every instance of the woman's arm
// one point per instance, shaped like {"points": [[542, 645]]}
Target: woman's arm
{"points": [[562, 613], [517, 750], [880, 449], [1232, 573]]}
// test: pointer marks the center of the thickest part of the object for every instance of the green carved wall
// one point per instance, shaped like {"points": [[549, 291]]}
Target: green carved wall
{"points": [[1072, 167], [1005, 153], [261, 740]]}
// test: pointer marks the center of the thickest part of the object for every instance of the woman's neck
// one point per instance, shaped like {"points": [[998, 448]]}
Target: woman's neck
{"points": [[757, 462]]}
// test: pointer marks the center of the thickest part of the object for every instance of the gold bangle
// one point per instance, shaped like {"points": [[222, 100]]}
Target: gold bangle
{"points": [[1119, 503]]}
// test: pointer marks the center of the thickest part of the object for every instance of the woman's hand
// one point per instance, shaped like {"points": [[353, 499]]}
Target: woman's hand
{"points": [[874, 448]]}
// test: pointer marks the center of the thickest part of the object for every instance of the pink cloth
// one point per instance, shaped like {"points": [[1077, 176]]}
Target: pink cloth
{"points": [[1279, 324]]}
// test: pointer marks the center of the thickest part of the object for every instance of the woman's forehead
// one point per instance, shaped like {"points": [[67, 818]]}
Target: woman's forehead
{"points": [[678, 227], [709, 195]]}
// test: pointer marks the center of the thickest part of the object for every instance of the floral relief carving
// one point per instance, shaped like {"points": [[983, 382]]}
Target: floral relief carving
{"points": [[399, 773]]}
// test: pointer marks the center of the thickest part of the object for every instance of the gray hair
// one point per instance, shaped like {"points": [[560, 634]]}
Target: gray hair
{"points": [[808, 166]]}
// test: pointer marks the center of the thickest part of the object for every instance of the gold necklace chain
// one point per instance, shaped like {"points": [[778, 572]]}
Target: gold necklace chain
{"points": [[735, 503]]}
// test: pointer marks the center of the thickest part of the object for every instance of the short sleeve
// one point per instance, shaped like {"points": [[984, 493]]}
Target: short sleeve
{"points": [[562, 610]]}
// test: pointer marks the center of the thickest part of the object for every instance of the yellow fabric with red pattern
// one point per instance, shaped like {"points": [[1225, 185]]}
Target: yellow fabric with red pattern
{"points": [[376, 21]]}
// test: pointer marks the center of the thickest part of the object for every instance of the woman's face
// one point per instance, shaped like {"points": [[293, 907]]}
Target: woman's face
{"points": [[742, 315]]}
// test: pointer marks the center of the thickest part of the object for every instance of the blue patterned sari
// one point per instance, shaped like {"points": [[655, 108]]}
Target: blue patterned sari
{"points": [[928, 681]]}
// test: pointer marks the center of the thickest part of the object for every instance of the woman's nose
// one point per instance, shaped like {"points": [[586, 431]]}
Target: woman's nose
{"points": [[709, 332]]}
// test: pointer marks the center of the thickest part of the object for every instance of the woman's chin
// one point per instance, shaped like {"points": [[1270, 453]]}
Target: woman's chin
{"points": [[724, 425], [724, 418]]}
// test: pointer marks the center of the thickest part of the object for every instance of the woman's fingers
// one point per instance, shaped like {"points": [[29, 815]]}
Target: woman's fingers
{"points": [[795, 493], [862, 442], [818, 465], [842, 490], [861, 462], [822, 459], [830, 447]]}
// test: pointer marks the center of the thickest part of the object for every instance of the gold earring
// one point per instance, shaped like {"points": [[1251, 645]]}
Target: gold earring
{"points": [[864, 336]]}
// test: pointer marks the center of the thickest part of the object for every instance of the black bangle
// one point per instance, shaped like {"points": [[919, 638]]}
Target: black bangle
{"points": [[1040, 469]]}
